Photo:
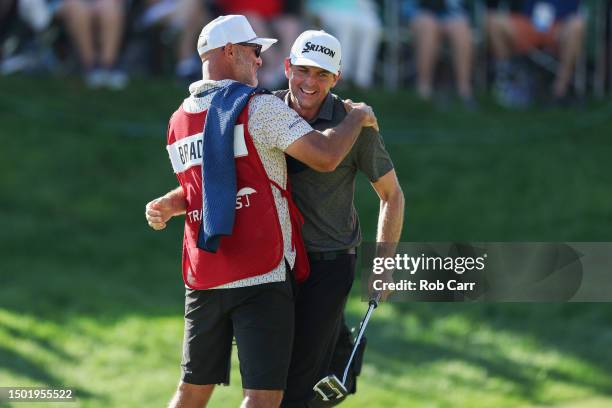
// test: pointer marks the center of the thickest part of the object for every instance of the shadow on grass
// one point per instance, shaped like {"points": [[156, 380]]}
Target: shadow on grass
{"points": [[40, 342], [127, 283], [23, 367], [76, 246], [396, 347]]}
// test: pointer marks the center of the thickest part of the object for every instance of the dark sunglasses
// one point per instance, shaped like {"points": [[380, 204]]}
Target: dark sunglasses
{"points": [[256, 47]]}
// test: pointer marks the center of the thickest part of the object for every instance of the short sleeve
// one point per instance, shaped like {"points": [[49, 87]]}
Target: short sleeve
{"points": [[273, 123], [372, 158]]}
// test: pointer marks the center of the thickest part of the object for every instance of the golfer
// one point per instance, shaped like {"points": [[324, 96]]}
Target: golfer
{"points": [[241, 234], [331, 229]]}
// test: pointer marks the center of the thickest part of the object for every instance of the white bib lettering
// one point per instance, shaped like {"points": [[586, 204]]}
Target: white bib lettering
{"points": [[187, 152]]}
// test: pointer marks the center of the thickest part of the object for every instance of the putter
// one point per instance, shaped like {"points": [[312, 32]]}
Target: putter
{"points": [[331, 388]]}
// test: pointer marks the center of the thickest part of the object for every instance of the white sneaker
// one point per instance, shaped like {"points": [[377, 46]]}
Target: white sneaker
{"points": [[95, 78], [116, 79]]}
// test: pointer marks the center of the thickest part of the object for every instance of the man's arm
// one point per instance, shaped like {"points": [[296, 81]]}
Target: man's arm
{"points": [[391, 213], [323, 151], [160, 210], [390, 219]]}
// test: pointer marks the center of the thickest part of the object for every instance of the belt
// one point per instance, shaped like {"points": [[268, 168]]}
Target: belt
{"points": [[330, 255]]}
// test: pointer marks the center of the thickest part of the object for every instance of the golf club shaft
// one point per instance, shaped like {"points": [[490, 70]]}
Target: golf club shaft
{"points": [[364, 323]]}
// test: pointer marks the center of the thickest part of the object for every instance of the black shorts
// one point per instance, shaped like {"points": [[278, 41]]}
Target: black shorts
{"points": [[259, 317]]}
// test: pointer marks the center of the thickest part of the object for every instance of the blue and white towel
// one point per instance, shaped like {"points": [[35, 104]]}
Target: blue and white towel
{"points": [[218, 166]]}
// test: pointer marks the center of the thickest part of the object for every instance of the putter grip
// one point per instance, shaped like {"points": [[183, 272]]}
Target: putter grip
{"points": [[375, 298]]}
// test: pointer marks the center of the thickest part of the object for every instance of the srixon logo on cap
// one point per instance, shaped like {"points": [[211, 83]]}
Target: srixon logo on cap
{"points": [[318, 48]]}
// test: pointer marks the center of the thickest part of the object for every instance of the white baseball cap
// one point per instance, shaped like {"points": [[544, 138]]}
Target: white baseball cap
{"points": [[317, 49], [229, 29]]}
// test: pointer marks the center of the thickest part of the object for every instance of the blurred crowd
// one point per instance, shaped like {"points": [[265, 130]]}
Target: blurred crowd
{"points": [[503, 43]]}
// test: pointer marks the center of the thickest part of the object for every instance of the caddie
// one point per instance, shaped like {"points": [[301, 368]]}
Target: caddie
{"points": [[227, 143]]}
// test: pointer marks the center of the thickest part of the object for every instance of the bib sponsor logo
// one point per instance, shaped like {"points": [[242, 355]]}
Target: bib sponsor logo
{"points": [[243, 200], [242, 197], [187, 152], [318, 48]]}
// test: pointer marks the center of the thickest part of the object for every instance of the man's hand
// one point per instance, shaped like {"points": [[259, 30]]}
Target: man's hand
{"points": [[385, 277], [158, 212], [348, 105], [369, 118]]}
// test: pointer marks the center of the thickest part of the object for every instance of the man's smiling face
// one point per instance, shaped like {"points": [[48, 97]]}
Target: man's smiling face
{"points": [[309, 86]]}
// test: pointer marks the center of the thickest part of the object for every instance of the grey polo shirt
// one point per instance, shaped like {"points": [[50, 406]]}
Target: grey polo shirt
{"points": [[331, 222]]}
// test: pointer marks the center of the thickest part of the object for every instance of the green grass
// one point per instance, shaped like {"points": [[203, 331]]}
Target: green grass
{"points": [[91, 298]]}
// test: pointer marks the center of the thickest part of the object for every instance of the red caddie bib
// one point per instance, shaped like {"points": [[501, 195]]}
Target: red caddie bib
{"points": [[255, 246]]}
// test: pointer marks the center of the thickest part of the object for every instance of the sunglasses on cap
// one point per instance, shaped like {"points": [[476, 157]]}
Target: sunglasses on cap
{"points": [[256, 47]]}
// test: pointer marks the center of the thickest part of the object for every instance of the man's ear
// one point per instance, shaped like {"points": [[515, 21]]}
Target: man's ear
{"points": [[337, 78], [229, 50], [287, 67]]}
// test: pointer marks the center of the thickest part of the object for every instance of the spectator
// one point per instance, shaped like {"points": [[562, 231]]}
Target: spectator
{"points": [[554, 25], [270, 18], [430, 21], [7, 10], [357, 26], [184, 18], [25, 22], [96, 29], [37, 13]]}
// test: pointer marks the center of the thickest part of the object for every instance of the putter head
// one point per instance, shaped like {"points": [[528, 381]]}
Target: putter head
{"points": [[330, 388]]}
